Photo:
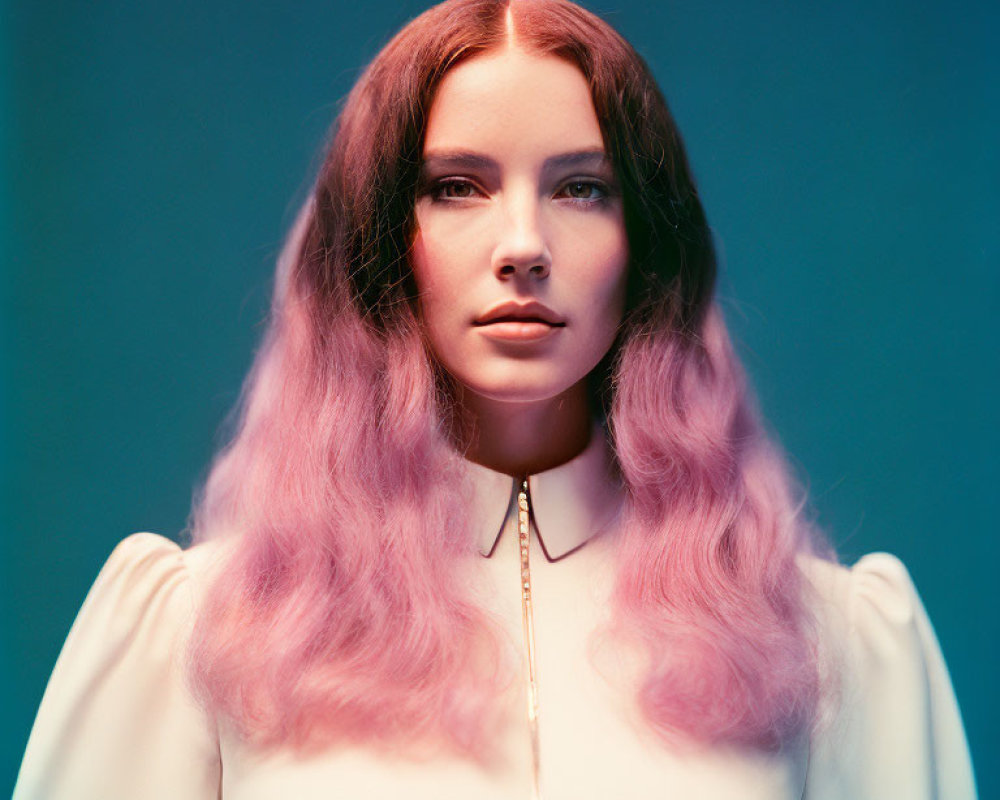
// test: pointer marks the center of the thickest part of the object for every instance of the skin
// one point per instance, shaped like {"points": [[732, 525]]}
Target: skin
{"points": [[518, 226]]}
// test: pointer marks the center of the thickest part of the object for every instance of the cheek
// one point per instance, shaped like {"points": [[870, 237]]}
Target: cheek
{"points": [[420, 263], [430, 274], [438, 294], [440, 264], [599, 288]]}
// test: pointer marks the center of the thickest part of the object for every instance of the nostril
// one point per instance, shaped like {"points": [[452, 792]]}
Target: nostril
{"points": [[510, 270]]}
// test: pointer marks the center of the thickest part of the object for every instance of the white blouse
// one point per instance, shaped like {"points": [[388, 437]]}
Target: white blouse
{"points": [[117, 720]]}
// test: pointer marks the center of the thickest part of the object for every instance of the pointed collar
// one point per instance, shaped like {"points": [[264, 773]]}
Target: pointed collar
{"points": [[570, 504]]}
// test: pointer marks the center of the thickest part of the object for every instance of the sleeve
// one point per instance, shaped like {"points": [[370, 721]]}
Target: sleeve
{"points": [[116, 720], [896, 730]]}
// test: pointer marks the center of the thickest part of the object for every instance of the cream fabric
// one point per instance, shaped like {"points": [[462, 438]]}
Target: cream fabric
{"points": [[116, 720], [570, 504]]}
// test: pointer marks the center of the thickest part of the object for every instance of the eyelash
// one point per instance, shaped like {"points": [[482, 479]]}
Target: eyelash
{"points": [[436, 190]]}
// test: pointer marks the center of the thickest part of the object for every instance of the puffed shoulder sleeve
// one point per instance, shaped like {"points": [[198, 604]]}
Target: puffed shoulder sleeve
{"points": [[117, 720], [894, 729]]}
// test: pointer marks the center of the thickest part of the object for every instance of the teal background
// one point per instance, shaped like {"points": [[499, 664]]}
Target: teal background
{"points": [[154, 154]]}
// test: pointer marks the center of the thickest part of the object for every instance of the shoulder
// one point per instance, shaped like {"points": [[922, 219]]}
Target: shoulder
{"points": [[890, 703], [119, 690], [877, 589], [145, 563], [868, 615], [151, 551], [149, 582], [144, 572], [874, 628]]}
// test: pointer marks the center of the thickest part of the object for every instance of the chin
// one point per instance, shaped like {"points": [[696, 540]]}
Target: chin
{"points": [[516, 392]]}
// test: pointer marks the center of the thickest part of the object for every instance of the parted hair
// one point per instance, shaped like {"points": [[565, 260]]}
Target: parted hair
{"points": [[342, 616]]}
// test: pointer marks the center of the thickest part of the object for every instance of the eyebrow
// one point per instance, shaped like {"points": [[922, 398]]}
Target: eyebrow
{"points": [[469, 159]]}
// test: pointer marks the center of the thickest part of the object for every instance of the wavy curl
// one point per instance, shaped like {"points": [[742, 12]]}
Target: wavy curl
{"points": [[342, 616]]}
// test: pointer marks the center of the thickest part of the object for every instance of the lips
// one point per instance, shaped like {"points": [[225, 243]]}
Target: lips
{"points": [[520, 312]]}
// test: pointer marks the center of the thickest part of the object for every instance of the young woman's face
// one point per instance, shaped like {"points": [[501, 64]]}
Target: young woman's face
{"points": [[519, 253]]}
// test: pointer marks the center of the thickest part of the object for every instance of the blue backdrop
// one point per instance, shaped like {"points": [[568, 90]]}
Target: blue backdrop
{"points": [[154, 153]]}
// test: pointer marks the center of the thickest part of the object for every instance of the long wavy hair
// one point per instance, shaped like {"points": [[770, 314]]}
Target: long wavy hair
{"points": [[342, 615]]}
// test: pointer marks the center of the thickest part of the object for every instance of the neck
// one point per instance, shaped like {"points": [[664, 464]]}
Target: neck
{"points": [[522, 439]]}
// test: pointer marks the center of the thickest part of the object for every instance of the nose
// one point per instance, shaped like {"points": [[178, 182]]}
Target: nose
{"points": [[521, 249]]}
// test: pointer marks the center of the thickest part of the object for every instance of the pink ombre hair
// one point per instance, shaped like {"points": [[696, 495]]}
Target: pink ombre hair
{"points": [[341, 615]]}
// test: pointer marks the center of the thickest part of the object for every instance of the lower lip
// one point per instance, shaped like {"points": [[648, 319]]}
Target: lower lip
{"points": [[518, 331]]}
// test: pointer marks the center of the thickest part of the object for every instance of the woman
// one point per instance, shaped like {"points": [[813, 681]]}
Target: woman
{"points": [[499, 519]]}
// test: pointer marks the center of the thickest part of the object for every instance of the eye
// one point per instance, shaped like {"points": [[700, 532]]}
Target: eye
{"points": [[452, 189], [586, 191]]}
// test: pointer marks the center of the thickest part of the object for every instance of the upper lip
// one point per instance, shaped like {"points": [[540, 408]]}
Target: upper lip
{"points": [[526, 312]]}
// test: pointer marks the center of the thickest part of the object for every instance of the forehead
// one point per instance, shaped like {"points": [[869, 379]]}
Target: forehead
{"points": [[513, 104]]}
